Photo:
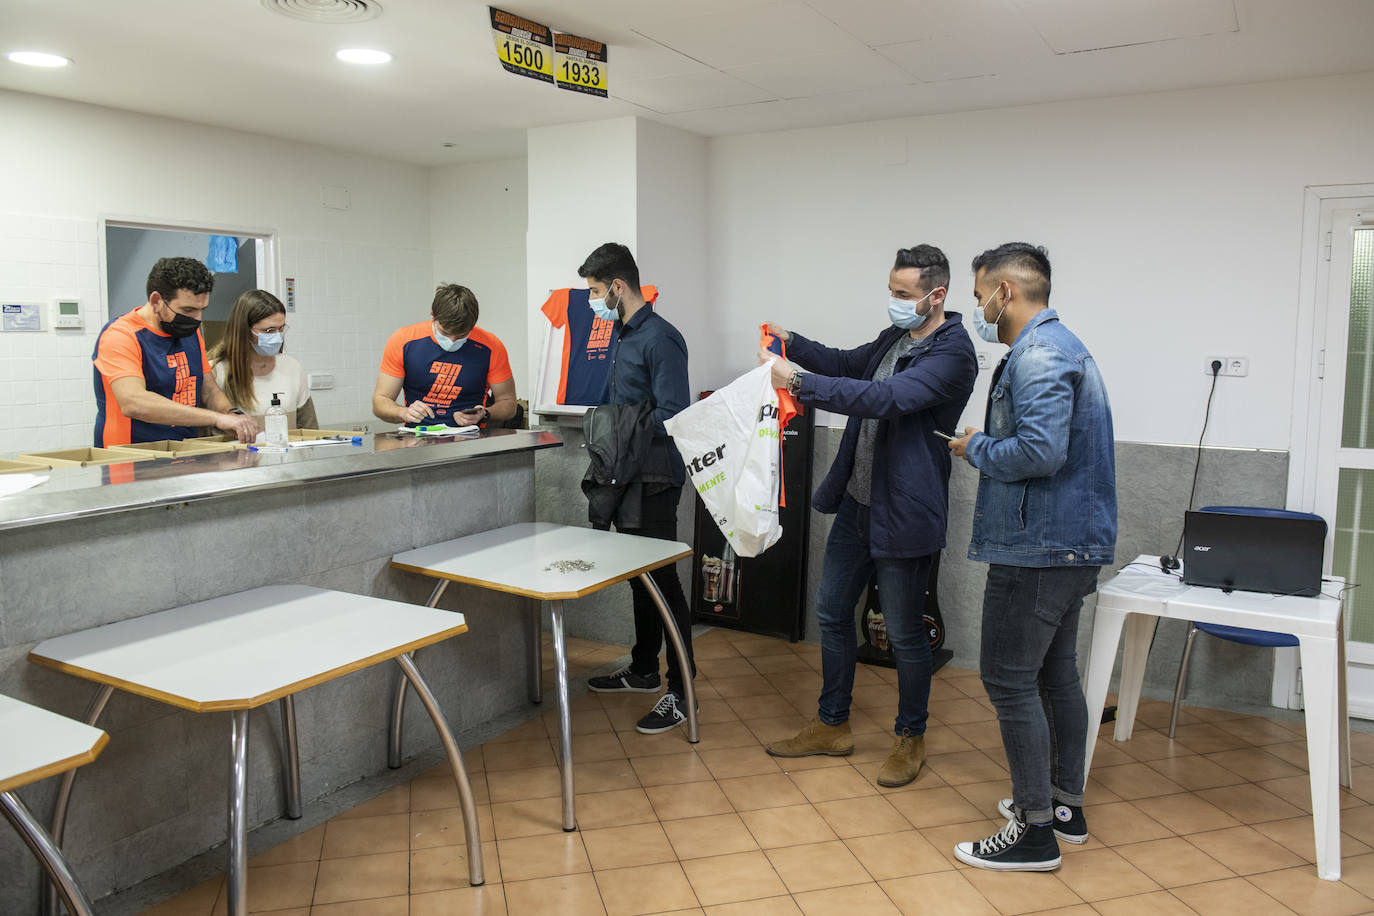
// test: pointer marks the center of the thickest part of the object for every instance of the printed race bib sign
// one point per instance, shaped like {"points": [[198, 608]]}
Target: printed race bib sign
{"points": [[579, 64], [525, 47]]}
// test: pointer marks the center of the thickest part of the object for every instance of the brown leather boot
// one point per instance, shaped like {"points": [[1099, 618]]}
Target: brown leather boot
{"points": [[816, 738], [904, 763]]}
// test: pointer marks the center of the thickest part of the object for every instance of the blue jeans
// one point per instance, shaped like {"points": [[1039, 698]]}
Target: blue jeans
{"points": [[1030, 670], [902, 586]]}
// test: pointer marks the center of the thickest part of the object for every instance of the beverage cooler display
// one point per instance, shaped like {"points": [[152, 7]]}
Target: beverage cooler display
{"points": [[874, 647], [764, 594]]}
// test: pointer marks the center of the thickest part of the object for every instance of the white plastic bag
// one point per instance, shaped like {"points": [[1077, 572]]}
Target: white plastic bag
{"points": [[730, 442]]}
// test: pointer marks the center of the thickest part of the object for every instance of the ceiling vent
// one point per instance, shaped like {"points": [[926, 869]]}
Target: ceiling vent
{"points": [[329, 12]]}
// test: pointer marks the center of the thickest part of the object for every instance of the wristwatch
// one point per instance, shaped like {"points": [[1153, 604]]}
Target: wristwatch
{"points": [[794, 383], [238, 410], [486, 414]]}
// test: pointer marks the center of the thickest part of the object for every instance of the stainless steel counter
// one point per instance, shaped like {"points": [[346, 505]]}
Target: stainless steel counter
{"points": [[73, 493]]}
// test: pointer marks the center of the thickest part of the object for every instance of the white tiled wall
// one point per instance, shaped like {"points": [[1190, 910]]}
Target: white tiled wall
{"points": [[349, 298]]}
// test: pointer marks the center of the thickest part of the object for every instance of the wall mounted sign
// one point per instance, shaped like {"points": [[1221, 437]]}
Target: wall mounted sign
{"points": [[525, 47], [579, 64]]}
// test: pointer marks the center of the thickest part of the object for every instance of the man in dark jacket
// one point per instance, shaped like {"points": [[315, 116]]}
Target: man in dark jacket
{"points": [[889, 492], [648, 366]]}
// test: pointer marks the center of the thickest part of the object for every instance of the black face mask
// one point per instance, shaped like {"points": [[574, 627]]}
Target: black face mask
{"points": [[180, 325]]}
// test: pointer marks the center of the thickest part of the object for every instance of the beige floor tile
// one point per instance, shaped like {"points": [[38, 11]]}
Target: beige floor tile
{"points": [[732, 878], [303, 848], [1192, 772], [1244, 850], [749, 793], [944, 838], [1158, 903], [392, 801], [985, 796], [1108, 753], [773, 664], [1186, 813], [751, 760], [1135, 780], [1119, 823], [958, 712], [277, 887], [1232, 897], [935, 807], [831, 783], [443, 867], [769, 706], [384, 906], [855, 817], [363, 877], [688, 800], [513, 785], [526, 818], [613, 809], [1255, 764], [430, 792], [627, 847], [897, 855], [1174, 862], [444, 827], [1359, 823], [565, 895], [1100, 874], [361, 836], [487, 900], [940, 894], [778, 728], [1294, 752], [1257, 730], [1297, 791], [603, 776], [1358, 872], [670, 769], [1303, 892], [705, 647], [742, 681], [595, 748], [770, 906], [855, 900], [986, 733], [645, 889], [1149, 744], [542, 857], [725, 735], [713, 835], [1249, 803], [528, 730], [198, 901], [793, 825], [516, 755], [1206, 738], [965, 767], [1021, 892], [817, 866]]}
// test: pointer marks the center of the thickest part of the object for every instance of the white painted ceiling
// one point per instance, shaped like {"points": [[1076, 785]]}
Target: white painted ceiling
{"points": [[711, 66]]}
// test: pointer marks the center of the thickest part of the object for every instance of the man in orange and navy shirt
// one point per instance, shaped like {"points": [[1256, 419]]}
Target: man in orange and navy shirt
{"points": [[152, 380], [444, 367]]}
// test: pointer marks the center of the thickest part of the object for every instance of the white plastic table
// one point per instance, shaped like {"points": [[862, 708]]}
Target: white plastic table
{"points": [[243, 651], [38, 744], [1142, 593], [531, 559]]}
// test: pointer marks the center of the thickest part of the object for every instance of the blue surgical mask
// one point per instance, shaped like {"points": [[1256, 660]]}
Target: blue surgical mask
{"points": [[980, 324], [601, 311], [448, 343], [268, 343], [903, 312]]}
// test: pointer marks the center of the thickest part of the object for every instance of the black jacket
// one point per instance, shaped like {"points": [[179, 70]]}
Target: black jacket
{"points": [[620, 438]]}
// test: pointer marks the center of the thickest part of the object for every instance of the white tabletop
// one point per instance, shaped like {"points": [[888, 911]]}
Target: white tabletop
{"points": [[37, 744], [524, 559], [245, 650], [1142, 587]]}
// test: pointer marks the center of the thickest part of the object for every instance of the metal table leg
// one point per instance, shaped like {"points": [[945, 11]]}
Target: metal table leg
{"points": [[58, 826], [455, 759], [291, 758], [398, 699], [237, 883], [536, 653], [683, 662], [47, 853], [560, 670]]}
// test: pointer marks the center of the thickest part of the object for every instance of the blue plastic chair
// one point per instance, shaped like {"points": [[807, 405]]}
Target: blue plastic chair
{"points": [[1263, 638]]}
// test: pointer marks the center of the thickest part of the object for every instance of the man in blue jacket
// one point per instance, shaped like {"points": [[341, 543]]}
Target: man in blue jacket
{"points": [[889, 492], [1045, 521]]}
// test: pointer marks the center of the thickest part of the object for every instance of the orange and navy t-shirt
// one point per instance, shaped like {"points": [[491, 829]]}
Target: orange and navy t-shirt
{"points": [[447, 382], [587, 344], [129, 347]]}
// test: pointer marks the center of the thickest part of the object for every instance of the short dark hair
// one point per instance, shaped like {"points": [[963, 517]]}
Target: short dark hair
{"points": [[1032, 261], [611, 261], [455, 308], [171, 274], [931, 261]]}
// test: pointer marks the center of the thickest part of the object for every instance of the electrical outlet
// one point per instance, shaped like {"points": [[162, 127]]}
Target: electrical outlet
{"points": [[1207, 365], [984, 361], [1234, 366]]}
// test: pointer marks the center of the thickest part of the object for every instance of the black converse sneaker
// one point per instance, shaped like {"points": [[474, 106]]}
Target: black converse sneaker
{"points": [[1016, 847], [624, 681], [1069, 823], [667, 714]]}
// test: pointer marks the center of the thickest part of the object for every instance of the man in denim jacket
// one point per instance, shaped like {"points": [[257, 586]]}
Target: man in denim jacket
{"points": [[1045, 521]]}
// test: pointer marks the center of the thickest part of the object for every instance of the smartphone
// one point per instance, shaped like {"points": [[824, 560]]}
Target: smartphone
{"points": [[946, 436]]}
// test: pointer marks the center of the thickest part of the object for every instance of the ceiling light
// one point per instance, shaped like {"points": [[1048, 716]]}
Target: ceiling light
{"points": [[363, 56], [38, 59]]}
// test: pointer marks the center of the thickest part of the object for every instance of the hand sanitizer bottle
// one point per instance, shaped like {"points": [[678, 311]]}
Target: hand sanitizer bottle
{"points": [[276, 423]]}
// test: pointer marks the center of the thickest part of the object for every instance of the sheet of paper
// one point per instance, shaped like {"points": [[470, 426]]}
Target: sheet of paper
{"points": [[18, 483]]}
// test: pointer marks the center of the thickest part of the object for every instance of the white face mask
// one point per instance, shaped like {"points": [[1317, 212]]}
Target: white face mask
{"points": [[603, 311], [447, 343], [980, 324]]}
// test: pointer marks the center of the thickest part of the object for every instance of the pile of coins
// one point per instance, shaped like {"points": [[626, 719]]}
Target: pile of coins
{"points": [[567, 566]]}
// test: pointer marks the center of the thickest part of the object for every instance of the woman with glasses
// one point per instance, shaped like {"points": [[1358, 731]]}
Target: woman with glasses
{"points": [[249, 364]]}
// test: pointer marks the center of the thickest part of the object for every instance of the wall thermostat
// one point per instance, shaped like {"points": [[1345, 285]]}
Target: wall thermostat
{"points": [[67, 314]]}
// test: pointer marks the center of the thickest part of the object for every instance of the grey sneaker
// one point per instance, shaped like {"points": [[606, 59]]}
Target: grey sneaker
{"points": [[624, 681]]}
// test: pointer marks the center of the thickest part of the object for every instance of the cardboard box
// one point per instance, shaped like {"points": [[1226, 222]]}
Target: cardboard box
{"points": [[20, 467], [179, 448], [87, 457]]}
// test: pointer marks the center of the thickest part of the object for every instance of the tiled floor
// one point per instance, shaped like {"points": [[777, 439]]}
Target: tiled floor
{"points": [[1216, 822]]}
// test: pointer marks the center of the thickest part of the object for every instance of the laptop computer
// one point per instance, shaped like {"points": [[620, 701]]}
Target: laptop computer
{"points": [[1253, 553]]}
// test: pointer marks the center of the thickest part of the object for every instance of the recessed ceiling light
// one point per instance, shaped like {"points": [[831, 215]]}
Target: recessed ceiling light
{"points": [[38, 59], [363, 56]]}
